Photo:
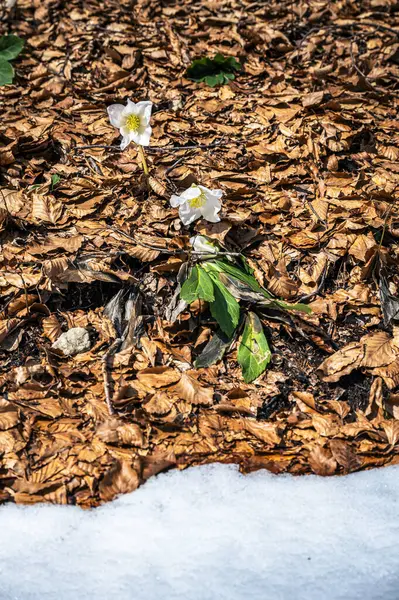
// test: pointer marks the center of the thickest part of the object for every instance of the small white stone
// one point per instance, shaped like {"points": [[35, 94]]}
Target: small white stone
{"points": [[74, 341]]}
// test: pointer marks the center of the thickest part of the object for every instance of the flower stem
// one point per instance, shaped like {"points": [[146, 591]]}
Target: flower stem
{"points": [[143, 160]]}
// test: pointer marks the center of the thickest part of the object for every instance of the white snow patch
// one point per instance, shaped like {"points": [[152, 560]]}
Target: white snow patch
{"points": [[209, 533]]}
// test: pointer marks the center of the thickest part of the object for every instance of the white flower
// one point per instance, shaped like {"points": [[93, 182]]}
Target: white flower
{"points": [[10, 4], [198, 201], [201, 244], [133, 121]]}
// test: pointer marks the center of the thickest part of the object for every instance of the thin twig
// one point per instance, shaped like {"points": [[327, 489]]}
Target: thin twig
{"points": [[98, 146], [360, 72], [168, 148], [193, 146], [319, 287], [205, 255], [106, 375]]}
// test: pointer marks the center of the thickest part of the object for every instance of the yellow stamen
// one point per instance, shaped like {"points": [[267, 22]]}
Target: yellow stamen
{"points": [[199, 201], [133, 122]]}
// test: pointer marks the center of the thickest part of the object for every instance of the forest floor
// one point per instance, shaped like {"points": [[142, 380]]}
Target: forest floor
{"points": [[304, 145]]}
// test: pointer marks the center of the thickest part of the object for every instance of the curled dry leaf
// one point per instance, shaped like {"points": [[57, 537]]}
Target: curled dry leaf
{"points": [[377, 352], [51, 328], [158, 377], [321, 461], [115, 431], [191, 390], [121, 478], [46, 208], [345, 455]]}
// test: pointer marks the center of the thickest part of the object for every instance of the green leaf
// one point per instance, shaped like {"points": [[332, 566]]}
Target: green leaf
{"points": [[301, 307], [225, 308], [197, 285], [54, 180], [214, 71], [6, 72], [218, 266], [213, 80], [254, 352], [10, 46]]}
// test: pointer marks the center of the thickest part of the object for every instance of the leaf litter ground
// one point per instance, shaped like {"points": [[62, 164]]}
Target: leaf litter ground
{"points": [[304, 145]]}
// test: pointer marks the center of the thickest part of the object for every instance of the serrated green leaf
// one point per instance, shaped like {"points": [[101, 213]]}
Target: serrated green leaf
{"points": [[197, 285], [254, 352], [6, 72], [10, 46], [225, 307]]}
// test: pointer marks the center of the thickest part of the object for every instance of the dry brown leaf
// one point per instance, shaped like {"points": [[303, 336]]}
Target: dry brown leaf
{"points": [[121, 478], [51, 328], [343, 453], [46, 208], [157, 377], [115, 431], [321, 461], [191, 390]]}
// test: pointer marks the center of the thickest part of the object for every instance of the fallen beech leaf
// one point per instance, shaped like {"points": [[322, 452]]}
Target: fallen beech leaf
{"points": [[8, 415], [115, 431], [46, 208], [159, 404], [391, 429], [121, 478], [321, 461], [157, 377], [191, 390], [313, 99], [377, 351], [267, 432], [326, 425], [51, 328], [344, 455]]}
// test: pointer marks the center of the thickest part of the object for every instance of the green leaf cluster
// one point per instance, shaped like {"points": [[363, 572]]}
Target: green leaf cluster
{"points": [[10, 47], [204, 285], [213, 71], [223, 285]]}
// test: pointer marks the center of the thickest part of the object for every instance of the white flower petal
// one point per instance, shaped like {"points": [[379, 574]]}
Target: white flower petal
{"points": [[115, 114], [134, 136], [176, 201], [144, 110], [124, 131], [204, 189], [212, 195], [144, 135], [125, 141], [188, 215], [191, 192], [131, 108], [201, 244], [211, 209]]}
